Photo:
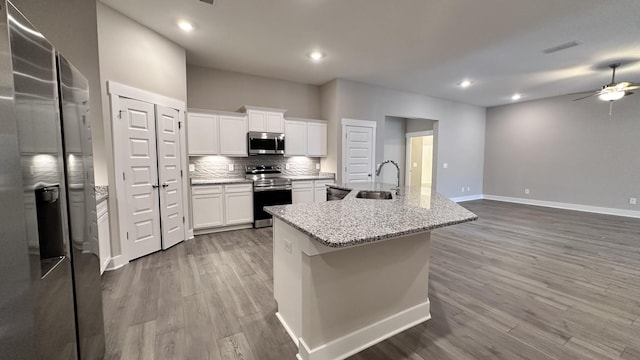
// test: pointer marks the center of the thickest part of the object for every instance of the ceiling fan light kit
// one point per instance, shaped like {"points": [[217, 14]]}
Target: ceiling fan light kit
{"points": [[611, 95]]}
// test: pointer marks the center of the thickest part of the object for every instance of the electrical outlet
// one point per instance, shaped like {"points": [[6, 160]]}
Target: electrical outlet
{"points": [[231, 167], [526, 191], [445, 165], [317, 166], [633, 201], [192, 167], [287, 166]]}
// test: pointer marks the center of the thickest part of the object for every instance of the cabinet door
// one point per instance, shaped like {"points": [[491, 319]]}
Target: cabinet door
{"points": [[257, 120], [302, 192], [104, 236], [233, 135], [202, 130], [207, 210], [320, 194], [238, 207], [275, 122], [295, 138], [317, 139]]}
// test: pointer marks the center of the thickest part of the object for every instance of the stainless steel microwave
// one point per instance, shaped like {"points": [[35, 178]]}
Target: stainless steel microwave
{"points": [[265, 143]]}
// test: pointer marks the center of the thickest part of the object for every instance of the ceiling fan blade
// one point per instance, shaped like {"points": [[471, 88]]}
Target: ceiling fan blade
{"points": [[588, 96], [627, 93]]}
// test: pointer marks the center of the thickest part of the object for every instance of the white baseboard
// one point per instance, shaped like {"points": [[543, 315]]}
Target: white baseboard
{"points": [[105, 265], [222, 229], [287, 328], [361, 339], [467, 198], [116, 263], [566, 206]]}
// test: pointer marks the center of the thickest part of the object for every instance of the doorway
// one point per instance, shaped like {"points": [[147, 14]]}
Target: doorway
{"points": [[419, 162]]}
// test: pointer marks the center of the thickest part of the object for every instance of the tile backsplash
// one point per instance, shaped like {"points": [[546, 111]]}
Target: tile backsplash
{"points": [[207, 167]]}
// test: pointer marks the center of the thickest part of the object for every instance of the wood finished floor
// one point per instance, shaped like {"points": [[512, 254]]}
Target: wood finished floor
{"points": [[522, 282]]}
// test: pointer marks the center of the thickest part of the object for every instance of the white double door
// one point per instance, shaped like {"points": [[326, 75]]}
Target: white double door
{"points": [[152, 176]]}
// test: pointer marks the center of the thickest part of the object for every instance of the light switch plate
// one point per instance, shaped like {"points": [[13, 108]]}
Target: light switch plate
{"points": [[287, 166], [445, 165], [192, 167], [231, 167], [317, 166]]}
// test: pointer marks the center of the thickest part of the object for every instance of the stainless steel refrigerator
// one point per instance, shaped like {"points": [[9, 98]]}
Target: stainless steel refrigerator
{"points": [[50, 291]]}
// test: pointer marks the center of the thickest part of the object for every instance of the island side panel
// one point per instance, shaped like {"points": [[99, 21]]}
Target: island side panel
{"points": [[361, 295], [287, 284]]}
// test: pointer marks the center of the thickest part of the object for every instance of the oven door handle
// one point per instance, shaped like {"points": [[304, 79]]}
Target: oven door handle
{"points": [[271, 188]]}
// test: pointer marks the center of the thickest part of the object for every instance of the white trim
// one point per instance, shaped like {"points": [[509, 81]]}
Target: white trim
{"points": [[116, 263], [566, 206], [292, 335], [363, 338], [120, 90], [105, 263], [203, 231], [419, 133], [190, 235], [361, 123], [467, 198], [355, 122]]}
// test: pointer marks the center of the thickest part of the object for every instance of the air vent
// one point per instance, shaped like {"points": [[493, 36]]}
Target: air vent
{"points": [[561, 47]]}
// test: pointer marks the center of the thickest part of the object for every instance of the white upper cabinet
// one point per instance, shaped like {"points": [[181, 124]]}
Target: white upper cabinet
{"points": [[295, 138], [233, 135], [305, 138], [265, 119], [316, 139], [202, 132]]}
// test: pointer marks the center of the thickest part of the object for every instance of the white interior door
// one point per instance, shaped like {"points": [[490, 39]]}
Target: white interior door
{"points": [[140, 177], [359, 157], [169, 176]]}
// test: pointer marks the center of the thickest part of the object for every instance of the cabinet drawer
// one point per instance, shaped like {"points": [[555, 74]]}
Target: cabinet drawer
{"points": [[237, 188], [322, 183], [302, 184], [206, 189]]}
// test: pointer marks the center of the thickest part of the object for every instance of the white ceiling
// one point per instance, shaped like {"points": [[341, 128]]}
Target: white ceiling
{"points": [[422, 46]]}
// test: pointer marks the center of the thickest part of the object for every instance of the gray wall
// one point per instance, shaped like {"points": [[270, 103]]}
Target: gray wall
{"points": [[133, 55], [71, 26], [395, 130], [460, 130], [416, 125], [223, 90], [565, 151]]}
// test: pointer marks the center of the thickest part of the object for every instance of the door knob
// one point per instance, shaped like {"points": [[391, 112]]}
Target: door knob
{"points": [[165, 185], [155, 186]]}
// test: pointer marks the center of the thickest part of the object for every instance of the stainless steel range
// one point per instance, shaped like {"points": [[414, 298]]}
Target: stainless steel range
{"points": [[269, 188]]}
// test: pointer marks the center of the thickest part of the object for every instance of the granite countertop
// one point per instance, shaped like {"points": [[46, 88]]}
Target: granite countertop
{"points": [[220, 181], [354, 221], [102, 193]]}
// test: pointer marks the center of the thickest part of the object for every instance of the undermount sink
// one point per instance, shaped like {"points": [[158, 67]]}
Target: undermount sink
{"points": [[377, 195]]}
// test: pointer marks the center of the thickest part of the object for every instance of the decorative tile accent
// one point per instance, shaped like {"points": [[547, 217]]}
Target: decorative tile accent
{"points": [[212, 167]]}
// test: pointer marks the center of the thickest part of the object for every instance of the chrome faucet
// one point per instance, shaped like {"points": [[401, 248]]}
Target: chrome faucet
{"points": [[379, 170]]}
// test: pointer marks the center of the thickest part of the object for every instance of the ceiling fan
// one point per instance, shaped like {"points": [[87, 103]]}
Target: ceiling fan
{"points": [[613, 91]]}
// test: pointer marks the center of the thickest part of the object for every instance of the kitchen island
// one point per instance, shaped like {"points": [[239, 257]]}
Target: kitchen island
{"points": [[351, 273]]}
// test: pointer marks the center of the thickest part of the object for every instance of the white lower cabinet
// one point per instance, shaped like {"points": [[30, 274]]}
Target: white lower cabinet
{"points": [[104, 235], [208, 206], [302, 192], [320, 189], [238, 201], [215, 206]]}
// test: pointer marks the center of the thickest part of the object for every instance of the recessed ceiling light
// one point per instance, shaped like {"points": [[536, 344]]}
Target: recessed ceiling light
{"points": [[465, 83], [185, 26], [516, 97], [316, 56]]}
